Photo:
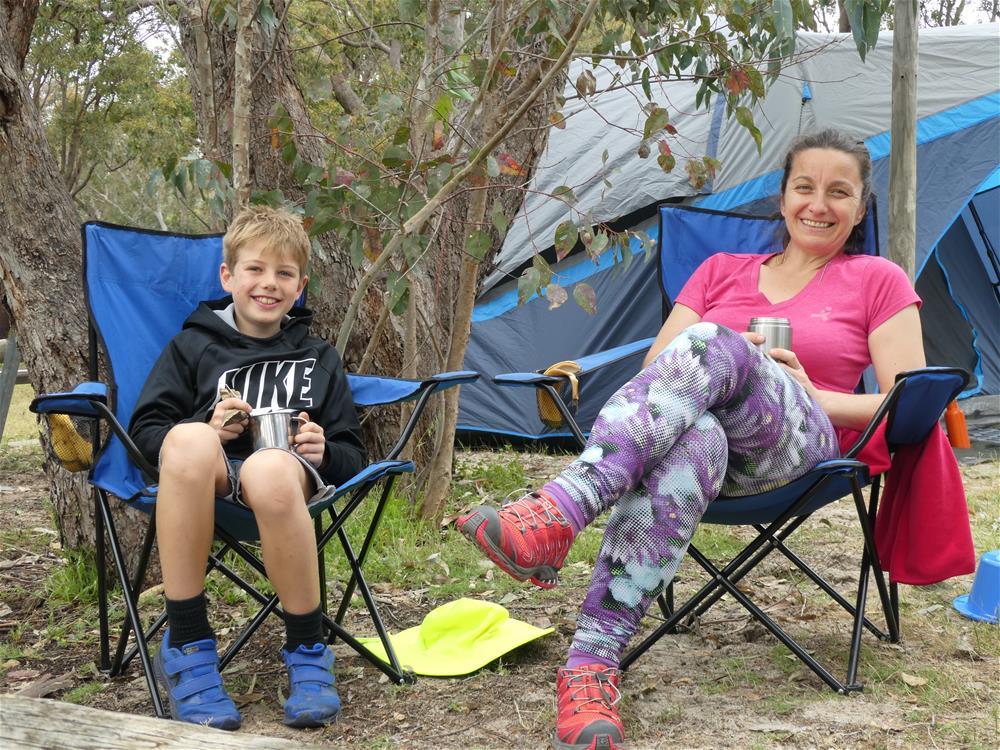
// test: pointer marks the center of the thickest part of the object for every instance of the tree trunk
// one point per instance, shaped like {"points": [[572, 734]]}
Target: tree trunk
{"points": [[41, 267], [844, 21], [903, 129]]}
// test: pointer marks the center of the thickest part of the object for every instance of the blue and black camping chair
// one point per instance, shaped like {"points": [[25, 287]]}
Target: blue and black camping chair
{"points": [[687, 237], [139, 287]]}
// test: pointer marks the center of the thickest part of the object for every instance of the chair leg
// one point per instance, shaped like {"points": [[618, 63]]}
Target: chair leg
{"points": [[890, 603], [778, 544], [770, 624], [321, 559], [117, 665], [894, 601], [676, 617], [866, 518], [666, 602], [765, 537], [213, 561], [365, 545], [372, 605], [130, 605], [102, 589], [270, 605]]}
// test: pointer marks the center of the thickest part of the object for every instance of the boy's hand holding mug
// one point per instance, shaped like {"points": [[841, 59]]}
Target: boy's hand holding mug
{"points": [[310, 442]]}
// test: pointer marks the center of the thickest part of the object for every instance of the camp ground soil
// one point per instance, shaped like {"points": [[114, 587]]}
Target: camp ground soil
{"points": [[725, 684]]}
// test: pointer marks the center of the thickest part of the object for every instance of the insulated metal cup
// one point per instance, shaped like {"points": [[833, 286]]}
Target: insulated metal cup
{"points": [[271, 427], [777, 333]]}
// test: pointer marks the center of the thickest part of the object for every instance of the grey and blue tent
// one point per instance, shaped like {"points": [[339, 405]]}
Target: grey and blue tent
{"points": [[826, 85]]}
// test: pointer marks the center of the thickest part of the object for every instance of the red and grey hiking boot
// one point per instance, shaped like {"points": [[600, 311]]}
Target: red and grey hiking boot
{"points": [[587, 714], [528, 538]]}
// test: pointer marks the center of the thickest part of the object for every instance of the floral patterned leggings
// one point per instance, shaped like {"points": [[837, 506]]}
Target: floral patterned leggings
{"points": [[710, 415]]}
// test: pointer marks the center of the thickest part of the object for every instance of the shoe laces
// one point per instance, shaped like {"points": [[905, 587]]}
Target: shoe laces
{"points": [[591, 690], [532, 513]]}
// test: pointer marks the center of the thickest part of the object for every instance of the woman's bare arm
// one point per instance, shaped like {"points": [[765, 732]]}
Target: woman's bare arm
{"points": [[680, 318], [895, 346]]}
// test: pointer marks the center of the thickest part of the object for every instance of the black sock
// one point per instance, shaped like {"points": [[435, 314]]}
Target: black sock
{"points": [[305, 630], [188, 619]]}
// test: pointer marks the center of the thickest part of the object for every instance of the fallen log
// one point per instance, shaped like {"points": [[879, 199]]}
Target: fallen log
{"points": [[39, 724]]}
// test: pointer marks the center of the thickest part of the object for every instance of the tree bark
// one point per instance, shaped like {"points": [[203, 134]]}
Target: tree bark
{"points": [[844, 21], [242, 72], [41, 268], [903, 131]]}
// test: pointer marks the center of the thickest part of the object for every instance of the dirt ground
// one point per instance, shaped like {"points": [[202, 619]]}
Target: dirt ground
{"points": [[725, 684]]}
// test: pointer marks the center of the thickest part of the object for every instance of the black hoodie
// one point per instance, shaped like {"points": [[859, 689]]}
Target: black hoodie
{"points": [[290, 369]]}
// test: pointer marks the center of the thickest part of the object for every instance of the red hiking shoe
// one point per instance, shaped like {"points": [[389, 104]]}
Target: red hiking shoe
{"points": [[587, 714], [528, 538]]}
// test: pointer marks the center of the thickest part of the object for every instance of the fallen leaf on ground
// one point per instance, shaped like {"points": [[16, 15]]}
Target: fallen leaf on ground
{"points": [[912, 680]]}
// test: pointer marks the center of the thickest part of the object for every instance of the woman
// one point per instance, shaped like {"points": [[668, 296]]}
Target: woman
{"points": [[710, 414]]}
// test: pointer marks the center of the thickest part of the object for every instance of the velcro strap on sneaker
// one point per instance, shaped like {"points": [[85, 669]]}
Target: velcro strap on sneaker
{"points": [[305, 669], [174, 667], [199, 684]]}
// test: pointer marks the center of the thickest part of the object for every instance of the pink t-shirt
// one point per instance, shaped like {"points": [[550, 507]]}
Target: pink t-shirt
{"points": [[831, 317]]}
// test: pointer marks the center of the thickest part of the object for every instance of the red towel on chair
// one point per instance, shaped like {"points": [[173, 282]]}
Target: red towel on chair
{"points": [[922, 529]]}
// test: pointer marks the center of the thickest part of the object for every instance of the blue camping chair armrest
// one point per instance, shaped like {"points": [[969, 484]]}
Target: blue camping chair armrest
{"points": [[373, 390], [588, 364], [914, 405], [373, 473], [90, 399], [79, 402]]}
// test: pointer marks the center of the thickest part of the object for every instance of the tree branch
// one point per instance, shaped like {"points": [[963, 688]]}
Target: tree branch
{"points": [[416, 222]]}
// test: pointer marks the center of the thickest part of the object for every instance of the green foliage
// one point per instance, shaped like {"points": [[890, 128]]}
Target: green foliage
{"points": [[865, 17], [113, 108]]}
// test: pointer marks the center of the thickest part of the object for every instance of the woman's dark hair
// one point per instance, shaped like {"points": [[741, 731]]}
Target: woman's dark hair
{"points": [[838, 141]]}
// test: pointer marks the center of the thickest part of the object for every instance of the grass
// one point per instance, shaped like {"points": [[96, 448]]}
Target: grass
{"points": [[73, 582], [82, 694], [717, 542], [21, 424]]}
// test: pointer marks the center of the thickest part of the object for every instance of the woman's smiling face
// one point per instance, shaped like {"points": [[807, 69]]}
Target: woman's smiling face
{"points": [[822, 201]]}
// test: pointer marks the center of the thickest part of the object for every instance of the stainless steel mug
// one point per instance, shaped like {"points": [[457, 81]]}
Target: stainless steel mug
{"points": [[777, 333], [271, 427]]}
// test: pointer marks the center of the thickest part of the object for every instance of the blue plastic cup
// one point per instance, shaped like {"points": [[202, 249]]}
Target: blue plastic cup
{"points": [[983, 602]]}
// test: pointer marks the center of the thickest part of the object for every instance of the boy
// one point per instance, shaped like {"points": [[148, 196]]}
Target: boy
{"points": [[187, 422]]}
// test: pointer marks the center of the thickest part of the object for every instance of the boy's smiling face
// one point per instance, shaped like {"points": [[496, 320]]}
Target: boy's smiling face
{"points": [[265, 284]]}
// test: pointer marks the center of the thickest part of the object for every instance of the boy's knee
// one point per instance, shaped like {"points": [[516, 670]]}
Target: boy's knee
{"points": [[271, 481], [190, 446]]}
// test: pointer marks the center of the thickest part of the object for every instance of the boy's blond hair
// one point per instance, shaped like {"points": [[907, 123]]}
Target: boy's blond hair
{"points": [[278, 228]]}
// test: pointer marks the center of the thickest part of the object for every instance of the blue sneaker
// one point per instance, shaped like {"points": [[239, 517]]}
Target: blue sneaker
{"points": [[312, 697], [193, 684]]}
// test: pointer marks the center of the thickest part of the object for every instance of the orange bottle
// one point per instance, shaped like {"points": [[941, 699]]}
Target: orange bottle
{"points": [[954, 421]]}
